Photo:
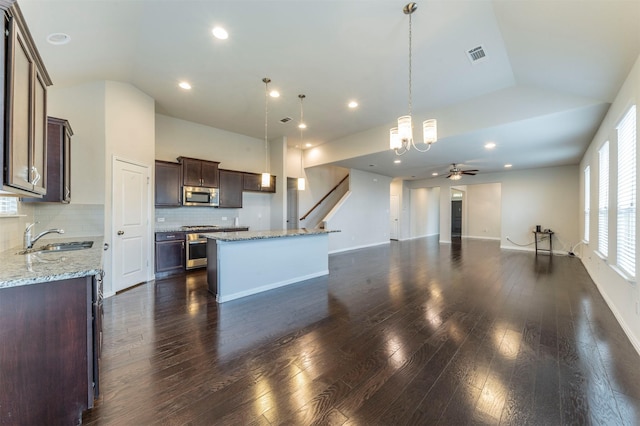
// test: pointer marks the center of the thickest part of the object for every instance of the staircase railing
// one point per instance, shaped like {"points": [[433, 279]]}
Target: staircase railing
{"points": [[322, 200]]}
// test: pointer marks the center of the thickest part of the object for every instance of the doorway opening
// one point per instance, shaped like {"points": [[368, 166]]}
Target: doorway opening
{"points": [[292, 203], [456, 214]]}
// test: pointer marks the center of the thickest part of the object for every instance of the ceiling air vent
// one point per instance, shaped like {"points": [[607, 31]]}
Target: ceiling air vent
{"points": [[477, 54], [285, 120]]}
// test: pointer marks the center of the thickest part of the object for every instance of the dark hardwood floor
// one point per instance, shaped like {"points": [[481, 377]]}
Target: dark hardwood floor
{"points": [[411, 333]]}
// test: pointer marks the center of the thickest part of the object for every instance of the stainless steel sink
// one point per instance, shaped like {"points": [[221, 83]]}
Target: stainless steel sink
{"points": [[57, 247]]}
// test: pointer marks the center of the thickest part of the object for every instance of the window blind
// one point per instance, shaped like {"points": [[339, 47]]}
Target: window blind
{"points": [[626, 223], [603, 200], [587, 200], [8, 205]]}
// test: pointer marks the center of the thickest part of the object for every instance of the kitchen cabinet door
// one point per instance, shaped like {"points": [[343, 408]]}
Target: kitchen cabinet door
{"points": [[58, 175], [170, 253], [197, 172], [230, 189], [26, 110], [209, 174], [253, 182], [168, 184], [191, 171]]}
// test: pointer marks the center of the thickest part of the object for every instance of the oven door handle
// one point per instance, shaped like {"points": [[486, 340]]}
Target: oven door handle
{"points": [[197, 241]]}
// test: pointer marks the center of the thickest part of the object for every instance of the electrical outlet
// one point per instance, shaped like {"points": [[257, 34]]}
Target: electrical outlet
{"points": [[224, 218], [161, 219]]}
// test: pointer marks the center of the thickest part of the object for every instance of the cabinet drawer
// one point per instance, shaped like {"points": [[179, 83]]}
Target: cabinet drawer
{"points": [[169, 236]]}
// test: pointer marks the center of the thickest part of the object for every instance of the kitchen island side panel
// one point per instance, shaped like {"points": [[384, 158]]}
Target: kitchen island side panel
{"points": [[252, 266]]}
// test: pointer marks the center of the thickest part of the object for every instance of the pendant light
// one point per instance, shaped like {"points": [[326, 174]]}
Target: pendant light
{"points": [[266, 176], [301, 126], [401, 137]]}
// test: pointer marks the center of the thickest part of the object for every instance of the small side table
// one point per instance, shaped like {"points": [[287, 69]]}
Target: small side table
{"points": [[543, 233]]}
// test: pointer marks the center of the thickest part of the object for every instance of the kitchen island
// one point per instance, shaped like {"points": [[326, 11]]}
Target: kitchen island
{"points": [[243, 263]]}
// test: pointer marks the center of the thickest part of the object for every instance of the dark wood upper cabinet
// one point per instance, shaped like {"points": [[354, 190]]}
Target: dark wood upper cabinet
{"points": [[58, 168], [253, 182], [168, 184], [230, 189], [197, 172], [25, 113]]}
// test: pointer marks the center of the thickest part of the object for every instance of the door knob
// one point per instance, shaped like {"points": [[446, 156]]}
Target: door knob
{"points": [[120, 232]]}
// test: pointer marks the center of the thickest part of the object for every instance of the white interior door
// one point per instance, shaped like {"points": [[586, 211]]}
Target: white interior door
{"points": [[394, 216], [130, 224]]}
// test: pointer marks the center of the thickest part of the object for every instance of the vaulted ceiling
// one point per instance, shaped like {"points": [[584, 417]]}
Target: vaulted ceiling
{"points": [[550, 72]]}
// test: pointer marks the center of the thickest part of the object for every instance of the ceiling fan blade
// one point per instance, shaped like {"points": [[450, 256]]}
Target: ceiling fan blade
{"points": [[473, 170], [468, 173], [450, 174]]}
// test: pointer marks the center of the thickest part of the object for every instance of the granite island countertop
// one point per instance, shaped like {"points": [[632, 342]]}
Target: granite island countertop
{"points": [[24, 269], [191, 229], [263, 235]]}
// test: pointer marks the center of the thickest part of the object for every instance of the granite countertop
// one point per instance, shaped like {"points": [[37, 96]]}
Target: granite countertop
{"points": [[24, 269], [217, 228], [263, 235]]}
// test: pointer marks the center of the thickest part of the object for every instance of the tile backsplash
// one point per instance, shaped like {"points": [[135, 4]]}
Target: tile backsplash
{"points": [[12, 228], [77, 220]]}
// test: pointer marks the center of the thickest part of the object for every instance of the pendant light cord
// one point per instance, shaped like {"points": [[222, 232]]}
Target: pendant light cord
{"points": [[266, 122], [410, 92]]}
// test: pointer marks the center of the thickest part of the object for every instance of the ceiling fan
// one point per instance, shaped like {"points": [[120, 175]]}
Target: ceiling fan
{"points": [[455, 173]]}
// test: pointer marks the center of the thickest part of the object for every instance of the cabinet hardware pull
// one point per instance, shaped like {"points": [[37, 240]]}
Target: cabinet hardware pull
{"points": [[120, 232]]}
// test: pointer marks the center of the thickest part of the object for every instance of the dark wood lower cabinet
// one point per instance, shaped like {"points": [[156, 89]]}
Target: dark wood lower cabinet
{"points": [[170, 253], [49, 351]]}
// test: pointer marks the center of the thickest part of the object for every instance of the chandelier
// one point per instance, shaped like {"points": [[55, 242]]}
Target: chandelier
{"points": [[401, 137]]}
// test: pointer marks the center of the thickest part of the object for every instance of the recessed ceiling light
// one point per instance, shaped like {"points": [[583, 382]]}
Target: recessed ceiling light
{"points": [[352, 104], [490, 145], [184, 85], [308, 145], [220, 33], [58, 38], [397, 161], [434, 174], [302, 126], [274, 94], [508, 166]]}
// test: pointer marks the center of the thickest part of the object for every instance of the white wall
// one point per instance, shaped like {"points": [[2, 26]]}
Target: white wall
{"points": [[547, 196], [424, 212], [175, 137], [621, 294], [84, 107], [483, 216], [364, 218]]}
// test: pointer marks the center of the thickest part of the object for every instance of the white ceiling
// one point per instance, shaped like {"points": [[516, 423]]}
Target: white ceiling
{"points": [[551, 71]]}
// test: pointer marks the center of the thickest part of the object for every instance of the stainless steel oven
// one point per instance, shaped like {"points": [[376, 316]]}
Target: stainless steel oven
{"points": [[196, 252]]}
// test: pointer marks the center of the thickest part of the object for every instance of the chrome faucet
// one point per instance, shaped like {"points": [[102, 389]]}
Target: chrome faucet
{"points": [[29, 242]]}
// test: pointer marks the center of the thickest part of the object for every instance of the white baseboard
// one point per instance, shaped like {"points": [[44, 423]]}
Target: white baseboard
{"points": [[474, 237], [358, 247], [616, 313]]}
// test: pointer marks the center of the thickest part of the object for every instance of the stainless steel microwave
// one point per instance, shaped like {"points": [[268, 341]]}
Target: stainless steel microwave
{"points": [[199, 196]]}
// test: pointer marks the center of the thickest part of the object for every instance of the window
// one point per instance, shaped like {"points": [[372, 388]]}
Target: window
{"points": [[626, 224], [8, 206], [603, 200], [587, 200]]}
